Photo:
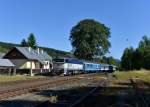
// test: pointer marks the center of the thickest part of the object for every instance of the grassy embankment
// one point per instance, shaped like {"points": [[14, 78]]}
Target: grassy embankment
{"points": [[121, 76], [125, 75], [17, 78], [119, 91]]}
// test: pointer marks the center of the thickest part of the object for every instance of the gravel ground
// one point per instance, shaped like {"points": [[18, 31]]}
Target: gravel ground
{"points": [[33, 99], [13, 85]]}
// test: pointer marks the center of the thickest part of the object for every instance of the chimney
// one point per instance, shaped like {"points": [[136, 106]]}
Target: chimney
{"points": [[38, 50], [29, 48], [42, 51]]}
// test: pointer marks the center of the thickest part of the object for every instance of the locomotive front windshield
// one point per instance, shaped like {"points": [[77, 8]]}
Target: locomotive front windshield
{"points": [[58, 60]]}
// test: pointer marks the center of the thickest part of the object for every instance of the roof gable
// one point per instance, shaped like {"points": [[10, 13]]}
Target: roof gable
{"points": [[33, 54], [15, 54]]}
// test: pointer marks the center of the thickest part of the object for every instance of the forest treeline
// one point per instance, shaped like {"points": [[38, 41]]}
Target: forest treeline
{"points": [[139, 58], [31, 41], [5, 47]]}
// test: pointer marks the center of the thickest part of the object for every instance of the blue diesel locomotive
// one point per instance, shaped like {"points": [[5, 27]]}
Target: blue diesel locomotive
{"points": [[67, 66], [70, 66]]}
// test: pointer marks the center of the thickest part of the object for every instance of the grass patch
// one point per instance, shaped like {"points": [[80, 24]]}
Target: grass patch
{"points": [[125, 75], [99, 77], [16, 78]]}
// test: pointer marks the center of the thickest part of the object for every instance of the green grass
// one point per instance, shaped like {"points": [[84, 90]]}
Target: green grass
{"points": [[142, 74], [16, 78]]}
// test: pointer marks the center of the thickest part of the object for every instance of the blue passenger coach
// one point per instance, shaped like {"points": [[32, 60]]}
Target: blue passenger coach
{"points": [[91, 67]]}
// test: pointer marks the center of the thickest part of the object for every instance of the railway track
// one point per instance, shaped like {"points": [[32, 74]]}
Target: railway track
{"points": [[34, 88], [144, 101], [39, 85], [93, 90], [78, 99]]}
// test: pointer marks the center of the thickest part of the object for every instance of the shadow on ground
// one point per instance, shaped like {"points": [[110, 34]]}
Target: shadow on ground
{"points": [[114, 96]]}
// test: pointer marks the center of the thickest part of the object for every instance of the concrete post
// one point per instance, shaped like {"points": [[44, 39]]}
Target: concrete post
{"points": [[49, 70], [41, 70], [9, 71], [14, 71], [50, 67], [31, 71]]}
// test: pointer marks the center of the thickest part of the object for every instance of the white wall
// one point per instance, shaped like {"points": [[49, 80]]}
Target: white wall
{"points": [[25, 64], [46, 65]]}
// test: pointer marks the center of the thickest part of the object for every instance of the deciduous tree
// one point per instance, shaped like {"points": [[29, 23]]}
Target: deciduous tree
{"points": [[89, 38]]}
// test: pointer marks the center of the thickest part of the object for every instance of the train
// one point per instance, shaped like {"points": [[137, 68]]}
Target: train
{"points": [[71, 66]]}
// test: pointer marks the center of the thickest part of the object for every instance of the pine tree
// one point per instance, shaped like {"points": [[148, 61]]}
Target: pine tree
{"points": [[32, 41], [24, 43]]}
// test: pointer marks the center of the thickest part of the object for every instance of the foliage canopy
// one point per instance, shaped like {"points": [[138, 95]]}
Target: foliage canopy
{"points": [[89, 38], [137, 58]]}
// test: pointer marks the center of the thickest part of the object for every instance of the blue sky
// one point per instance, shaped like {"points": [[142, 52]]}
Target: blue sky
{"points": [[52, 20]]}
